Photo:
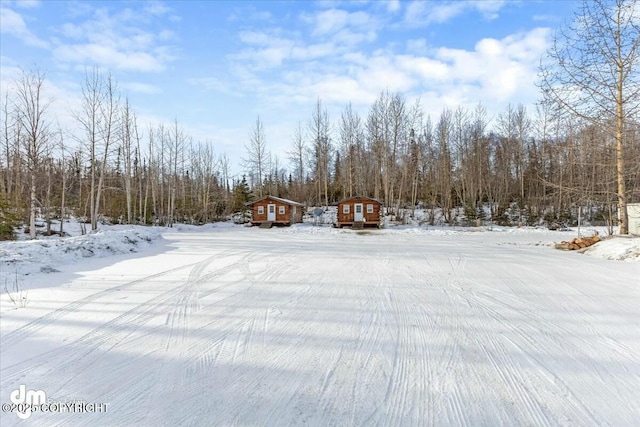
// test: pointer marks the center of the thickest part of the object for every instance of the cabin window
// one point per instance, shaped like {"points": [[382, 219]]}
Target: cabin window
{"points": [[370, 208], [345, 209], [260, 210], [281, 210]]}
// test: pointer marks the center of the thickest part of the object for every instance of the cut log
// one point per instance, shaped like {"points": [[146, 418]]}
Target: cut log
{"points": [[578, 243]]}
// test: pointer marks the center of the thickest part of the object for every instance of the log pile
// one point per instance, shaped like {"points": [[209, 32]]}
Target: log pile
{"points": [[578, 243]]}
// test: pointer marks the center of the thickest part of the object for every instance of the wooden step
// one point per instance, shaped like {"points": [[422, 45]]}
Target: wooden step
{"points": [[266, 224], [357, 225]]}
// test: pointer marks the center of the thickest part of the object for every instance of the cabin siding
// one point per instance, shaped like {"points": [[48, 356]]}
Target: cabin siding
{"points": [[371, 211], [286, 213]]}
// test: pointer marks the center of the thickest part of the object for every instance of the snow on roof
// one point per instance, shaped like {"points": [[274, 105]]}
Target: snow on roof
{"points": [[360, 197], [279, 199]]}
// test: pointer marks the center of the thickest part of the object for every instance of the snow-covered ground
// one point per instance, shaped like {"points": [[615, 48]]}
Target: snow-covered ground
{"points": [[233, 325]]}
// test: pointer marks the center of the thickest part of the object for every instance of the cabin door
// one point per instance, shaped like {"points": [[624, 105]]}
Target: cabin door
{"points": [[357, 212], [271, 212]]}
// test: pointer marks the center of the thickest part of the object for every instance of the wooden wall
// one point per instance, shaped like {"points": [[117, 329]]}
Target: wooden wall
{"points": [[281, 218], [372, 218]]}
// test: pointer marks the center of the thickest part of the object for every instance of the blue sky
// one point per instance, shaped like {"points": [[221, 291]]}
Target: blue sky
{"points": [[217, 65]]}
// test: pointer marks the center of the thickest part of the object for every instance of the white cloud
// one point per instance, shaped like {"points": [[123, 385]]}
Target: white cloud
{"points": [[346, 37], [268, 50], [335, 32], [14, 24], [393, 6], [313, 51], [109, 56], [255, 38], [427, 69], [331, 21], [423, 13], [117, 41], [417, 46], [248, 14], [489, 48], [489, 8], [494, 72], [498, 70], [381, 73], [342, 89], [28, 4], [156, 8]]}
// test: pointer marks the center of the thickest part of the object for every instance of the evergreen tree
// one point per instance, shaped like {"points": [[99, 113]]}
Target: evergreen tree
{"points": [[8, 221], [241, 195]]}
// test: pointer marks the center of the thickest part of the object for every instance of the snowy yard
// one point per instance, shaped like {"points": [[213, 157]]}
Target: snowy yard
{"points": [[230, 325]]}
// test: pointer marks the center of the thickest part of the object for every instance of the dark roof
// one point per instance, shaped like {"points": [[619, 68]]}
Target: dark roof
{"points": [[360, 197], [278, 199]]}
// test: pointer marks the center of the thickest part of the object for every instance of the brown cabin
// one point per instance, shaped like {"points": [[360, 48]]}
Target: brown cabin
{"points": [[276, 211], [359, 212]]}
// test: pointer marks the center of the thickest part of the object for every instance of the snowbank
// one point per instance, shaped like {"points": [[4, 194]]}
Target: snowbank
{"points": [[617, 248], [613, 248], [44, 255]]}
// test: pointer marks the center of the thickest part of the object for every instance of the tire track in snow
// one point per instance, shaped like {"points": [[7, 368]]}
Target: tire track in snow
{"points": [[198, 358], [537, 332], [397, 383], [569, 301], [406, 399], [253, 383], [443, 360], [504, 365], [579, 409], [440, 369], [148, 385], [131, 320], [176, 347], [205, 354], [13, 337], [494, 352], [370, 326]]}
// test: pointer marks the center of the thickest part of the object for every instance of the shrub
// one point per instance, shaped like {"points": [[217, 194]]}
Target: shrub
{"points": [[8, 221]]}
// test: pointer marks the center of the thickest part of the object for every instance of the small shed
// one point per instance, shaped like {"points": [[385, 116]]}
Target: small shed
{"points": [[359, 212], [633, 214], [271, 210]]}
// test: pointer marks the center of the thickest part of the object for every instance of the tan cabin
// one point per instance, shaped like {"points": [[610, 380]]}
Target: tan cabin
{"points": [[271, 210], [358, 212]]}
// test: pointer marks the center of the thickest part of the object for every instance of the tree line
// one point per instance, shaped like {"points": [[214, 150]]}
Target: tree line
{"points": [[108, 167], [516, 167], [579, 149]]}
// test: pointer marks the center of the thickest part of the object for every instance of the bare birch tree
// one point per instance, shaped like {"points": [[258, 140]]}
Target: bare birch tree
{"points": [[98, 121], [296, 156], [257, 155], [31, 109], [593, 73], [321, 146], [127, 135]]}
